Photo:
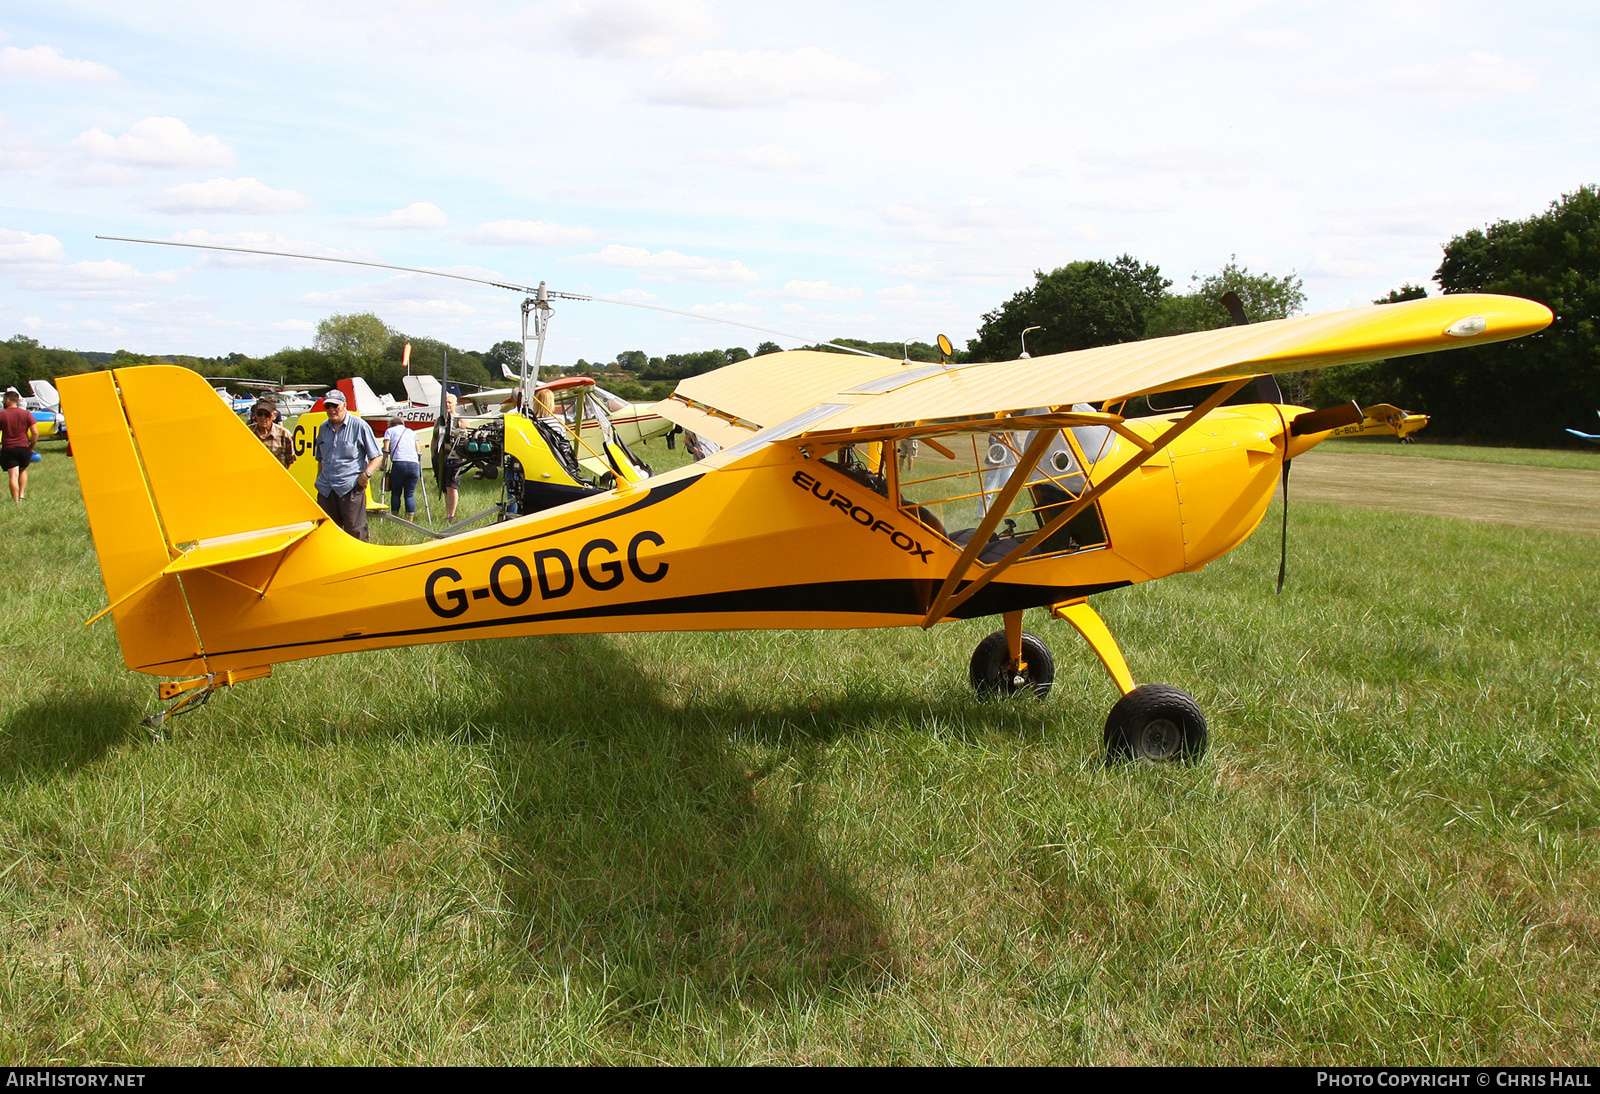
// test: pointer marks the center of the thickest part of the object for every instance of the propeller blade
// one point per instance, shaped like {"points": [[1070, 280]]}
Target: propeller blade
{"points": [[1320, 421], [1283, 541], [1235, 306]]}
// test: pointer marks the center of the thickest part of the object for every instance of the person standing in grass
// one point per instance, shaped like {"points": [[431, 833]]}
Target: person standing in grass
{"points": [[450, 469], [347, 455], [263, 422], [405, 468], [18, 434]]}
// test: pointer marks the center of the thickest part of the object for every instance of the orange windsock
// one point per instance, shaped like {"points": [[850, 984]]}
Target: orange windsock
{"points": [[405, 359]]}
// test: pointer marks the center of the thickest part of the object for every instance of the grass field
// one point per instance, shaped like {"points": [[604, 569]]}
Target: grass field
{"points": [[817, 846], [1527, 457]]}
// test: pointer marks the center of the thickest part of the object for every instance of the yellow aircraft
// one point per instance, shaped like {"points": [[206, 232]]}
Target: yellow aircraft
{"points": [[849, 492]]}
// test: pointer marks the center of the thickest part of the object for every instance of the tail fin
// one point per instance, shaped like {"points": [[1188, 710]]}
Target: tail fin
{"points": [[173, 481]]}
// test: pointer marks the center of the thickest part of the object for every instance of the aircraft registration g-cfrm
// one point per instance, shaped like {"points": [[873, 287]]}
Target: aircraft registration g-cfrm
{"points": [[849, 491]]}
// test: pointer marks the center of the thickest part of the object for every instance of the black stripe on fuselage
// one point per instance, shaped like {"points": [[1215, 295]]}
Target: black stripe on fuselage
{"points": [[907, 597]]}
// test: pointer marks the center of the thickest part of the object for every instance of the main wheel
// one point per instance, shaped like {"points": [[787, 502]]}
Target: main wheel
{"points": [[1155, 723], [992, 673]]}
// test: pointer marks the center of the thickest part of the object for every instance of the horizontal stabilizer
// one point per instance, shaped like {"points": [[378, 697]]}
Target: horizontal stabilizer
{"points": [[240, 547]]}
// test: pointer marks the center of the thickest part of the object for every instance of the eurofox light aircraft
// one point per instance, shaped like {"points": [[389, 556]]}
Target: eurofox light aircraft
{"points": [[850, 492]]}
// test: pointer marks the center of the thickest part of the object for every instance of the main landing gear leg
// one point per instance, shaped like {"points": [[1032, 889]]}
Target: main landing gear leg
{"points": [[1154, 723], [1012, 660]]}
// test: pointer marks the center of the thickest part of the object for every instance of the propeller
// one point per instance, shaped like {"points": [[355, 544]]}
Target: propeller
{"points": [[1283, 539], [1268, 391]]}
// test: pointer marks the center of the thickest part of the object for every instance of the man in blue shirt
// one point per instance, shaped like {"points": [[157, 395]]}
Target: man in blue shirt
{"points": [[347, 455]]}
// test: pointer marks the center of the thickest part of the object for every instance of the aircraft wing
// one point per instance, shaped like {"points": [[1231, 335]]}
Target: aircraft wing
{"points": [[865, 393]]}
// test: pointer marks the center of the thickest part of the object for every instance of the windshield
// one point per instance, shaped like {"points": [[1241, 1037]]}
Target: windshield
{"points": [[951, 482]]}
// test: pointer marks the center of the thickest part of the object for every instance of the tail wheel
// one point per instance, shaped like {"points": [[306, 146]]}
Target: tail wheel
{"points": [[992, 672], [1155, 723]]}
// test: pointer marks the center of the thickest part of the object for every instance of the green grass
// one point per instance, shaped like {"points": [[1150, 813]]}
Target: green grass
{"points": [[1528, 457], [816, 846]]}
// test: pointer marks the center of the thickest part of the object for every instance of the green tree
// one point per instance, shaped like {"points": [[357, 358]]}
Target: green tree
{"points": [[1080, 305], [428, 357], [632, 360], [361, 337], [913, 351], [1523, 391], [678, 366], [768, 347], [1408, 291], [1262, 295], [1370, 381], [23, 359], [504, 359]]}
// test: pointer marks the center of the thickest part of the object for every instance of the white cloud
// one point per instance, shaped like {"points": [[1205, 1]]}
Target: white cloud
{"points": [[1229, 166], [28, 247], [1327, 265], [221, 195], [769, 157], [726, 79], [1277, 40], [904, 292], [297, 325], [266, 241], [726, 309], [155, 142], [535, 233], [1463, 79], [403, 295], [419, 214], [636, 28], [973, 220], [670, 265], [808, 290], [46, 63], [99, 280], [20, 157]]}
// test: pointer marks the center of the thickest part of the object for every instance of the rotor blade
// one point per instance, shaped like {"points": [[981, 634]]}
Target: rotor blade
{"points": [[1283, 541], [512, 286], [327, 258]]}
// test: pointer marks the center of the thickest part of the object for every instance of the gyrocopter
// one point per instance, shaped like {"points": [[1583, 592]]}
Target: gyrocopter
{"points": [[849, 491]]}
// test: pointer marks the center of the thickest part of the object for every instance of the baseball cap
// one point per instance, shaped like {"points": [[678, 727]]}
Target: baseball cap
{"points": [[334, 398]]}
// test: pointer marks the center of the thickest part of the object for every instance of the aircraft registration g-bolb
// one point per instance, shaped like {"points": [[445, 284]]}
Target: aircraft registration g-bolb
{"points": [[849, 492]]}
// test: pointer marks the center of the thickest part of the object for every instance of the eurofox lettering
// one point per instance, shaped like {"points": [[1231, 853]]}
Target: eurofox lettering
{"points": [[862, 516], [512, 579]]}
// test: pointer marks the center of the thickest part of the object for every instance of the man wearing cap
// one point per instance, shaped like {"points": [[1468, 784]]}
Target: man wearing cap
{"points": [[347, 455], [263, 422]]}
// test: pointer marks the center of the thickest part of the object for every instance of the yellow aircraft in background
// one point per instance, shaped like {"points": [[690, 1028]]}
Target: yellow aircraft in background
{"points": [[849, 492]]}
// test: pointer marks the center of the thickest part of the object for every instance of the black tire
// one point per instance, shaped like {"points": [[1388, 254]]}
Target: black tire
{"points": [[992, 674], [1155, 723]]}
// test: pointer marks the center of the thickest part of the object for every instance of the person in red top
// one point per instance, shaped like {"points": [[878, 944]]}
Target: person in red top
{"points": [[18, 435]]}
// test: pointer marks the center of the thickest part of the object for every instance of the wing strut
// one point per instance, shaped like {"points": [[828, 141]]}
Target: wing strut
{"points": [[947, 600], [991, 519]]}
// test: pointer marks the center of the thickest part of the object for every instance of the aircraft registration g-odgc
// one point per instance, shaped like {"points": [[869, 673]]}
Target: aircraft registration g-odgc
{"points": [[849, 491]]}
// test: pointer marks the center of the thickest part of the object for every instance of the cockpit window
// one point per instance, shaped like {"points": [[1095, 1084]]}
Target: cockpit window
{"points": [[950, 482], [863, 463]]}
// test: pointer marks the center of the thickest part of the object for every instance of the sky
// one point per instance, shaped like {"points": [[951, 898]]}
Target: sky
{"points": [[875, 170]]}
